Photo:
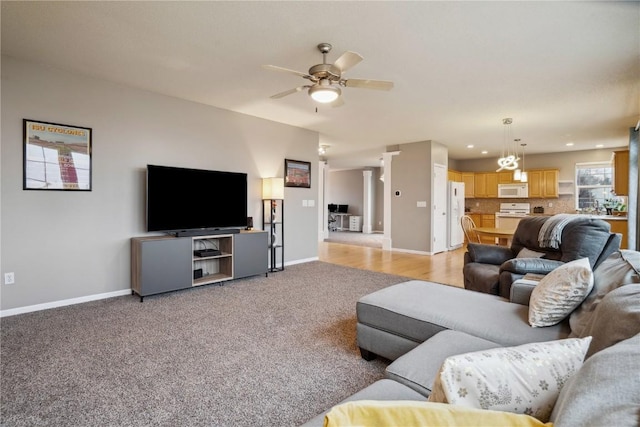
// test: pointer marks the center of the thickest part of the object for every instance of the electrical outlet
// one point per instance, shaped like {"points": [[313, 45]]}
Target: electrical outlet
{"points": [[550, 204], [9, 278]]}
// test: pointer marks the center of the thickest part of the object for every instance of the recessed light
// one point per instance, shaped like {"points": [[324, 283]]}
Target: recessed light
{"points": [[569, 144], [599, 145], [470, 146], [484, 152]]}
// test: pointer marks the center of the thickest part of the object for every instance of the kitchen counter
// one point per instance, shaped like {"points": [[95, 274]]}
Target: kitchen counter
{"points": [[607, 217]]}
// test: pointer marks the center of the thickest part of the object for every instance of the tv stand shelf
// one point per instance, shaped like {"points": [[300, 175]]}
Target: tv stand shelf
{"points": [[216, 268], [168, 263]]}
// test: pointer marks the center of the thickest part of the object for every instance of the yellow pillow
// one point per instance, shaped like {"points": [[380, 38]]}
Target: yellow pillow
{"points": [[419, 414]]}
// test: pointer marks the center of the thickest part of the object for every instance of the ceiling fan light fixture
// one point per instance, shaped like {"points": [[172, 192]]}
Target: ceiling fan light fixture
{"points": [[324, 94]]}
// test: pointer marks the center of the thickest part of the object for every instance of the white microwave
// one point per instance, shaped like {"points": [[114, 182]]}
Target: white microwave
{"points": [[513, 191]]}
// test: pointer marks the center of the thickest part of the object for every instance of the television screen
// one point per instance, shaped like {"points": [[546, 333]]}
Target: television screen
{"points": [[185, 199]]}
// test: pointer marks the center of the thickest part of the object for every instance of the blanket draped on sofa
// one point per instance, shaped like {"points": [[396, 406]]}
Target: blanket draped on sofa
{"points": [[550, 235]]}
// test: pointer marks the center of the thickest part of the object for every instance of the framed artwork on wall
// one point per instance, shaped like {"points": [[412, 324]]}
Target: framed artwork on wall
{"points": [[297, 173], [56, 156]]}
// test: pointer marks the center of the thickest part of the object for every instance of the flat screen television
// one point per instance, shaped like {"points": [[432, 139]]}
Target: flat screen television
{"points": [[180, 199]]}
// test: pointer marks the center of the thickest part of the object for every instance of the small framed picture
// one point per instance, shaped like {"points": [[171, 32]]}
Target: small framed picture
{"points": [[297, 173], [56, 157]]}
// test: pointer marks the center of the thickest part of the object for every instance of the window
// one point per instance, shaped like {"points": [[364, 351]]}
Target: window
{"points": [[593, 182]]}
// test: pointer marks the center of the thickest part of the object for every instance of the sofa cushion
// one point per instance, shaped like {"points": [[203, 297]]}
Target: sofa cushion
{"points": [[418, 368], [481, 277], [619, 268], [418, 310], [560, 292], [420, 414], [616, 318], [379, 390], [526, 379], [584, 237], [605, 392], [528, 253]]}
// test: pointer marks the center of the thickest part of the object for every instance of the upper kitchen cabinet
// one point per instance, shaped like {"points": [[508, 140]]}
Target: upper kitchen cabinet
{"points": [[485, 184], [621, 172], [454, 175], [543, 183], [506, 177], [469, 184]]}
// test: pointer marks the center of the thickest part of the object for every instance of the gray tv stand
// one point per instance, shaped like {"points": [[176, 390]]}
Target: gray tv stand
{"points": [[167, 263]]}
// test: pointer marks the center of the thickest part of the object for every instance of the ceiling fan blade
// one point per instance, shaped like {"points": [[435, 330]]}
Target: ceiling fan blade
{"points": [[347, 60], [369, 84], [286, 70], [288, 92]]}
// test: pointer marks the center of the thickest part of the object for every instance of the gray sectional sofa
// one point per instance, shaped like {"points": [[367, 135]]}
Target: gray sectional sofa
{"points": [[418, 324]]}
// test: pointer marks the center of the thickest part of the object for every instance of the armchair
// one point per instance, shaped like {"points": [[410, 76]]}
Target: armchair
{"points": [[492, 269]]}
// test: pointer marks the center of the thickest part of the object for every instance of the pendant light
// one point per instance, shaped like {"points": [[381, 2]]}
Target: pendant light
{"points": [[523, 174], [509, 159], [517, 174]]}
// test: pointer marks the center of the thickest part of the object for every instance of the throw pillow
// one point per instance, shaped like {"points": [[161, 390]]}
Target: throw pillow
{"points": [[560, 292], [419, 414], [616, 318], [619, 268], [528, 253], [525, 379]]}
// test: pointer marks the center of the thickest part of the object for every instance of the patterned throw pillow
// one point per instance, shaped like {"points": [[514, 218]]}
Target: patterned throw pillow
{"points": [[560, 292], [526, 379]]}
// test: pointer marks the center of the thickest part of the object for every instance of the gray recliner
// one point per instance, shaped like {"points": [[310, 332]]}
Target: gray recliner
{"points": [[492, 269]]}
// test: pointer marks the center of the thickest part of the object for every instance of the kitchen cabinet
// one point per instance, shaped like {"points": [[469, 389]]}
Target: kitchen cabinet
{"points": [[454, 175], [469, 187], [484, 220], [621, 172], [506, 177], [485, 184], [543, 183]]}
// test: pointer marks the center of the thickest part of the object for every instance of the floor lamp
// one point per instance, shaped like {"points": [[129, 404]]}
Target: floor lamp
{"points": [[273, 217]]}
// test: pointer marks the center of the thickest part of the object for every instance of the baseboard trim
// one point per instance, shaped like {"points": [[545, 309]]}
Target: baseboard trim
{"points": [[301, 261], [62, 303], [411, 251]]}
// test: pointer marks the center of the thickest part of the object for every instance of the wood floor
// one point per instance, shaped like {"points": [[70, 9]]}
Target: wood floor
{"points": [[445, 267]]}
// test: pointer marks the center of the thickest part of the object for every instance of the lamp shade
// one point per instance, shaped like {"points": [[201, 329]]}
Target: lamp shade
{"points": [[273, 188]]}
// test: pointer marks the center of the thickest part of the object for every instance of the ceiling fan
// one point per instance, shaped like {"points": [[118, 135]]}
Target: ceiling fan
{"points": [[326, 79]]}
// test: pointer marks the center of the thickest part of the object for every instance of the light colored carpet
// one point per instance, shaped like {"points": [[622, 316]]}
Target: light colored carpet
{"points": [[264, 351], [373, 240]]}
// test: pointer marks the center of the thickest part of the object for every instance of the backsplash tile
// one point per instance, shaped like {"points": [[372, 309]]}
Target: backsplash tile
{"points": [[563, 204]]}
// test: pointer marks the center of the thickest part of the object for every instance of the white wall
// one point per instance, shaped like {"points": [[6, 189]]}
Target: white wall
{"points": [[63, 244]]}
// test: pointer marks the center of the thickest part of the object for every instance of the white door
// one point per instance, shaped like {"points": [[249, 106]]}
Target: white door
{"points": [[456, 210], [439, 220]]}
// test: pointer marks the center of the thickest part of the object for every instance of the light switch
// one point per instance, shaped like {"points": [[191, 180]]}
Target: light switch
{"points": [[421, 204], [312, 203], [305, 203]]}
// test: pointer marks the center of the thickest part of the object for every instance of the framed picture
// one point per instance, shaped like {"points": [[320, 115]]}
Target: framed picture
{"points": [[56, 157], [297, 173]]}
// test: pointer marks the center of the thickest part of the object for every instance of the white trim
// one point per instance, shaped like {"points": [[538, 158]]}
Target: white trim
{"points": [[411, 251], [63, 303], [301, 261]]}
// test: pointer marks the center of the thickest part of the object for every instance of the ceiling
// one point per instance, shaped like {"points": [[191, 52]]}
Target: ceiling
{"points": [[566, 72]]}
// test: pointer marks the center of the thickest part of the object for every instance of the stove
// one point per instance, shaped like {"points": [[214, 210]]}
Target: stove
{"points": [[511, 213], [514, 209]]}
